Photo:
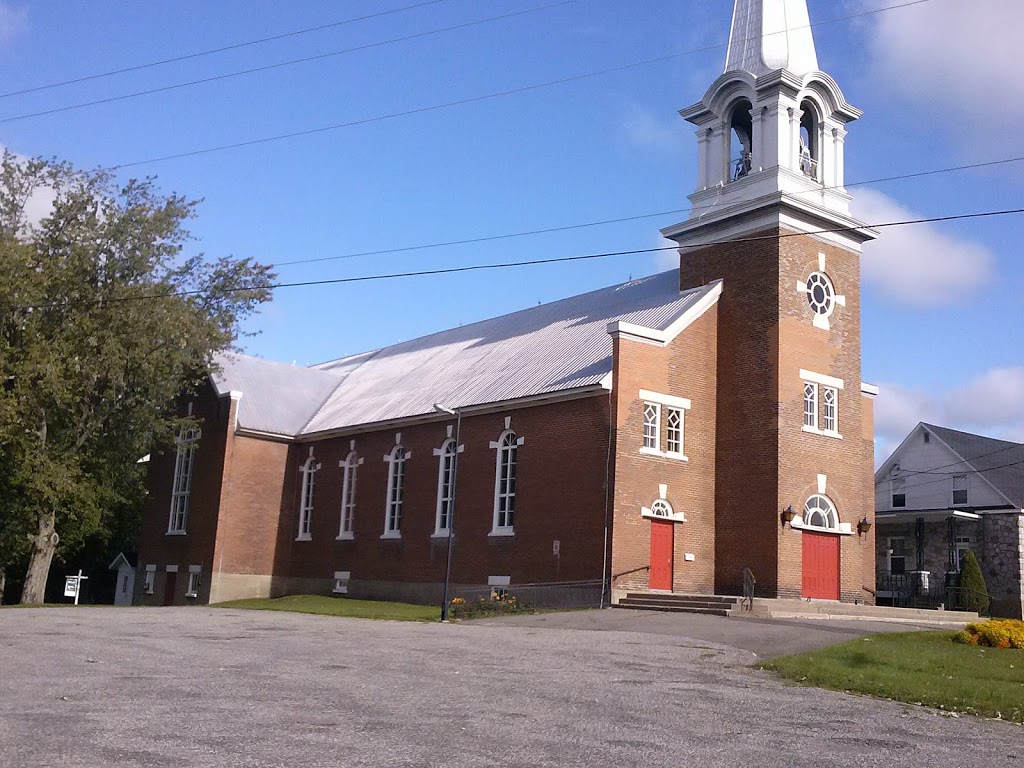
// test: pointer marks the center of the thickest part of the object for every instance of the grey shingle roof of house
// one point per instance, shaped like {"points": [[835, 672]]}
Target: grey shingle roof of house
{"points": [[1000, 461], [550, 348]]}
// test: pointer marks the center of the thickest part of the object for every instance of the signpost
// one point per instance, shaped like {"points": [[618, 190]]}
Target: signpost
{"points": [[73, 585]]}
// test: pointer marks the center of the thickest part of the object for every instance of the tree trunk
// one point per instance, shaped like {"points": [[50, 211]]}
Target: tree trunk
{"points": [[3, 583], [44, 544]]}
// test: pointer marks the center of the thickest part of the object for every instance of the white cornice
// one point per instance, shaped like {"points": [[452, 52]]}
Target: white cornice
{"points": [[634, 332]]}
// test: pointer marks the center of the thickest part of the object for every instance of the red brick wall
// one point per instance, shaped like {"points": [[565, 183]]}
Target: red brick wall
{"points": [[683, 368], [765, 461], [196, 547], [560, 496]]}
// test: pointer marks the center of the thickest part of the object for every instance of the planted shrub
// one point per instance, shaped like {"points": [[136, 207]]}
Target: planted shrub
{"points": [[997, 633], [974, 593]]}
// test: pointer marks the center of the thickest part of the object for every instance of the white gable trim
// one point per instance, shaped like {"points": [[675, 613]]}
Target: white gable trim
{"points": [[634, 332]]}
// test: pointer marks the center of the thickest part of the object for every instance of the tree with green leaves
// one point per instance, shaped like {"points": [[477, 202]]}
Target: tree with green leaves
{"points": [[105, 321], [974, 593]]}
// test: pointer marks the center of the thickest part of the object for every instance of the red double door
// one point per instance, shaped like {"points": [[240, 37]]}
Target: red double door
{"points": [[661, 555], [821, 565]]}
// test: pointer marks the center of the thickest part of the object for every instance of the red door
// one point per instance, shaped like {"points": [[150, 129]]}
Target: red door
{"points": [[821, 565], [661, 555], [169, 584]]}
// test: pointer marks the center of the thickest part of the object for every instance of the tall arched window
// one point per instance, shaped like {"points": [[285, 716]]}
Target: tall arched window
{"points": [[445, 488], [809, 149], [181, 489], [505, 482], [820, 512], [741, 144], [308, 470], [396, 483], [348, 494]]}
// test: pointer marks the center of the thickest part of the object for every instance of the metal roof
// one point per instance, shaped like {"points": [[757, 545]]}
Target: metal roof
{"points": [[550, 348]]}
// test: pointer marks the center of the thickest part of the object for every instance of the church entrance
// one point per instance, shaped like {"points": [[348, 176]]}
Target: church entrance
{"points": [[820, 565], [662, 537]]}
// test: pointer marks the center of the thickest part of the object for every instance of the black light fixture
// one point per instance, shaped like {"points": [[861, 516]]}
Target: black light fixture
{"points": [[788, 514], [864, 525]]}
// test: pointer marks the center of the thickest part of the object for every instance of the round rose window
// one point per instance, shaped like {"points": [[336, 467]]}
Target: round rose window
{"points": [[820, 293]]}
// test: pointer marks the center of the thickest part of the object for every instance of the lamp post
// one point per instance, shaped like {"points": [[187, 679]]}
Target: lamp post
{"points": [[457, 413]]}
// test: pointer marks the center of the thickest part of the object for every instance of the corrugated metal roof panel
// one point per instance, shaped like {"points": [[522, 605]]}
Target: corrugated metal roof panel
{"points": [[550, 348]]}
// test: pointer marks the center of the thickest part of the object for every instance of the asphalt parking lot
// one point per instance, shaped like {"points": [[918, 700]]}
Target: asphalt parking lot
{"points": [[213, 687]]}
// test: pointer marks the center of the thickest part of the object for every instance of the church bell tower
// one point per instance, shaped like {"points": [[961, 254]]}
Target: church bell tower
{"points": [[770, 217]]}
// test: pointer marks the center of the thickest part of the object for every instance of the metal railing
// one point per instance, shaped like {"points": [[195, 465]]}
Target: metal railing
{"points": [[907, 590], [749, 582]]}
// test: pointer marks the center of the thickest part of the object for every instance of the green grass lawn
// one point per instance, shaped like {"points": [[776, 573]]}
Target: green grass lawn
{"points": [[339, 606], [919, 668]]}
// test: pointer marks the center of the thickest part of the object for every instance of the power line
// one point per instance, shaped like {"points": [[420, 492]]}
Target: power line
{"points": [[472, 99], [510, 264], [222, 49], [638, 217], [974, 471], [290, 62]]}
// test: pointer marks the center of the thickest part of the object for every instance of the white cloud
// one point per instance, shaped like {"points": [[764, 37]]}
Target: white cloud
{"points": [[941, 268], [991, 404], [953, 57], [652, 132], [13, 21]]}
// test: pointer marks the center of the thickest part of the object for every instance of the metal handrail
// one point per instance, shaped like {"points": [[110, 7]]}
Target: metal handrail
{"points": [[749, 582], [635, 570]]}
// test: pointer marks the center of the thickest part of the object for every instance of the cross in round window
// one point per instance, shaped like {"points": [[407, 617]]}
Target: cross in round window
{"points": [[820, 512], [821, 294]]}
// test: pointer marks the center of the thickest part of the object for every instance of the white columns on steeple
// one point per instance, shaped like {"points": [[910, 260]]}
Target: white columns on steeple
{"points": [[771, 129], [769, 35]]}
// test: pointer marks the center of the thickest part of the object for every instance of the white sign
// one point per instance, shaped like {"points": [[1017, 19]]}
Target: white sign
{"points": [[556, 547], [71, 586]]}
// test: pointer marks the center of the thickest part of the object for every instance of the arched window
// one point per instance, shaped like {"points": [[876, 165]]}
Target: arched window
{"points": [[348, 494], [181, 489], [308, 470], [661, 508], [445, 487], [505, 482], [741, 133], [396, 482], [809, 149], [820, 512]]}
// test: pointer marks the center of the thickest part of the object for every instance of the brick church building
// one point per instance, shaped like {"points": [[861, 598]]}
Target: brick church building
{"points": [[663, 434]]}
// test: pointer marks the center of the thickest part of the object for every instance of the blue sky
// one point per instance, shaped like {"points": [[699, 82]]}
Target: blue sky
{"points": [[942, 328]]}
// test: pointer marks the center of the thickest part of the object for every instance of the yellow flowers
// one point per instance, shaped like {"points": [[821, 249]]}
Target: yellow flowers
{"points": [[458, 601], [997, 633]]}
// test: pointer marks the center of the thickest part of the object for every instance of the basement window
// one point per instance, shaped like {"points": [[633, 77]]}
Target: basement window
{"points": [[194, 580], [341, 582]]}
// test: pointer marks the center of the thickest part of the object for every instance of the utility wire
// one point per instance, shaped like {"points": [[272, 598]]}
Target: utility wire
{"points": [[472, 99], [222, 49], [935, 470], [974, 471], [638, 217], [509, 264], [290, 62]]}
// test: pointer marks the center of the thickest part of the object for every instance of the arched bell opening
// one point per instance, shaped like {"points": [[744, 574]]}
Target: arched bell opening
{"points": [[741, 134], [809, 154]]}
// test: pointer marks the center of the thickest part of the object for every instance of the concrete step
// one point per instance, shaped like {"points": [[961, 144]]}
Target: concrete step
{"points": [[676, 596], [639, 605], [677, 603]]}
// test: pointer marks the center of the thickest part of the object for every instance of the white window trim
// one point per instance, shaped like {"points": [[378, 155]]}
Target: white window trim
{"points": [[391, 459], [341, 579], [349, 483], [819, 381], [952, 491], [893, 492], [306, 497], [661, 401], [504, 530], [181, 482], [889, 554], [834, 431], [844, 529], [654, 450], [672, 517], [439, 532], [194, 580]]}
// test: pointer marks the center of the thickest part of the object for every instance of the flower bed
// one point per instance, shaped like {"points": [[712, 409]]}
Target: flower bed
{"points": [[997, 633], [494, 605]]}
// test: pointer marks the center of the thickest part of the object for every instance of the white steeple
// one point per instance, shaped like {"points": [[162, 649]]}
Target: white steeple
{"points": [[771, 130], [769, 35]]}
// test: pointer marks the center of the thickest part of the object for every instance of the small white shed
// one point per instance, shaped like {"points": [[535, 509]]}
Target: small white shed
{"points": [[125, 589]]}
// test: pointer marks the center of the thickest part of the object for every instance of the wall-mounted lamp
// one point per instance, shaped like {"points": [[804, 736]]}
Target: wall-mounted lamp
{"points": [[788, 514], [864, 525]]}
